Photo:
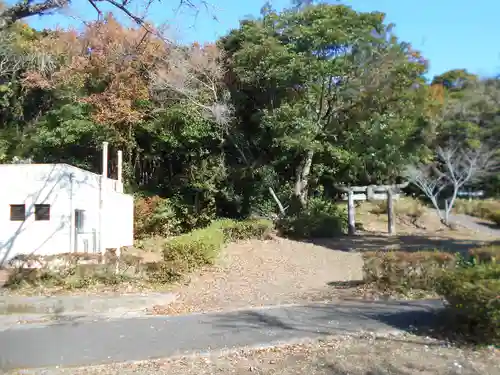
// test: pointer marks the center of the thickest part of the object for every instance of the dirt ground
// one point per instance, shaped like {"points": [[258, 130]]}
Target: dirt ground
{"points": [[281, 271], [353, 355]]}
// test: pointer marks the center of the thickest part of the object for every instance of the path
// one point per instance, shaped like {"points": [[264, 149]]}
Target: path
{"points": [[473, 223], [105, 341], [262, 273]]}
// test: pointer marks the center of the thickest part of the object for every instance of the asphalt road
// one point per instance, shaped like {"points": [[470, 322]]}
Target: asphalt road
{"points": [[473, 224], [88, 343]]}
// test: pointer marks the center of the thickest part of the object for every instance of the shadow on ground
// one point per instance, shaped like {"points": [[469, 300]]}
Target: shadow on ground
{"points": [[373, 242], [347, 317]]}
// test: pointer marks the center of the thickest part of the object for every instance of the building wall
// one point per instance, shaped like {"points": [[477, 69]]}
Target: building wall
{"points": [[66, 189]]}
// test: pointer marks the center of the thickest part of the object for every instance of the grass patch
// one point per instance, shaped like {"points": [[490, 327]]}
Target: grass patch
{"points": [[404, 206]]}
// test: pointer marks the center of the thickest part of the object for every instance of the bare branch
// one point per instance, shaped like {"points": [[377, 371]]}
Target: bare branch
{"points": [[23, 9], [452, 169], [196, 74]]}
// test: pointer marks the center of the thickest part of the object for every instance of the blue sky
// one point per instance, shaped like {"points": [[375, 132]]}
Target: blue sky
{"points": [[450, 33]]}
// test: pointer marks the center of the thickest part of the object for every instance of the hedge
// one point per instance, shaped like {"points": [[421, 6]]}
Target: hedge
{"points": [[202, 246], [473, 296], [399, 270]]}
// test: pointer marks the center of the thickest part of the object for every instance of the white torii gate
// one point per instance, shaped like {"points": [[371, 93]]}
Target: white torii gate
{"points": [[371, 192]]}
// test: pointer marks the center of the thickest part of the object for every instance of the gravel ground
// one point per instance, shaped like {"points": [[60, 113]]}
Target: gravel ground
{"points": [[341, 355], [259, 273]]}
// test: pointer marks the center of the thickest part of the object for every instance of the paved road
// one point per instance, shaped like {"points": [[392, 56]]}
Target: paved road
{"points": [[87, 343], [473, 224]]}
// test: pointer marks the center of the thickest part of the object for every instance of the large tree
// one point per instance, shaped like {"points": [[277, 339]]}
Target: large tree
{"points": [[331, 87]]}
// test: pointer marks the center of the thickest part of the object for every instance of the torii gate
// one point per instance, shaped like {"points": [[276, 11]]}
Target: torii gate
{"points": [[371, 192]]}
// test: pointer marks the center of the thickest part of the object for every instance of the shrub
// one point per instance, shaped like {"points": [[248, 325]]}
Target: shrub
{"points": [[243, 230], [75, 276], [163, 272], [495, 217], [473, 296], [320, 218], [486, 254], [201, 246], [400, 270], [154, 216], [195, 249], [151, 244]]}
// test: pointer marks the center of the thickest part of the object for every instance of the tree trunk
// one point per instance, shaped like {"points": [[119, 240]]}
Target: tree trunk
{"points": [[302, 178], [449, 206], [391, 227]]}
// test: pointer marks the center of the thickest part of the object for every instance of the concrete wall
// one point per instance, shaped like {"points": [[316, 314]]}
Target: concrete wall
{"points": [[66, 189]]}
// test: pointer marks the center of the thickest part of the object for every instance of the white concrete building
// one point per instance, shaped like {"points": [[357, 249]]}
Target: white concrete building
{"points": [[57, 208]]}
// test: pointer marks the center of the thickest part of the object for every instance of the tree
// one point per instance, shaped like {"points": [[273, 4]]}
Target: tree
{"points": [[451, 169], [319, 77], [455, 80], [10, 13]]}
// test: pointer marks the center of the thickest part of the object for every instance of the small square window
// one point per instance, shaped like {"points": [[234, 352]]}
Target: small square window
{"points": [[17, 212], [42, 212]]}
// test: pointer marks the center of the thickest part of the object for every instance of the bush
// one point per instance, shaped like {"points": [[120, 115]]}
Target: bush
{"points": [[485, 254], [473, 296], [320, 218], [495, 217], [401, 271], [163, 272], [195, 249], [242, 230], [151, 244], [202, 246], [406, 206], [154, 216]]}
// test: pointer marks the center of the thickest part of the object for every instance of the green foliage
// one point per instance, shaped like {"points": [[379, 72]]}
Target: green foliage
{"points": [[321, 218], [298, 83], [164, 272], [485, 254], [243, 230], [195, 249], [202, 246], [473, 297], [456, 79], [403, 271], [154, 216]]}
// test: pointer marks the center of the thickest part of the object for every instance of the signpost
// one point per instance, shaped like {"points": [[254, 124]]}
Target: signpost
{"points": [[371, 193]]}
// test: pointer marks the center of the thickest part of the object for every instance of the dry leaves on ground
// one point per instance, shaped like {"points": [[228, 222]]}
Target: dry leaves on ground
{"points": [[354, 355], [258, 273]]}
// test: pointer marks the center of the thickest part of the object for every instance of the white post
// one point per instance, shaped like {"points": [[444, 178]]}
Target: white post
{"points": [[120, 166], [351, 221], [104, 177]]}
